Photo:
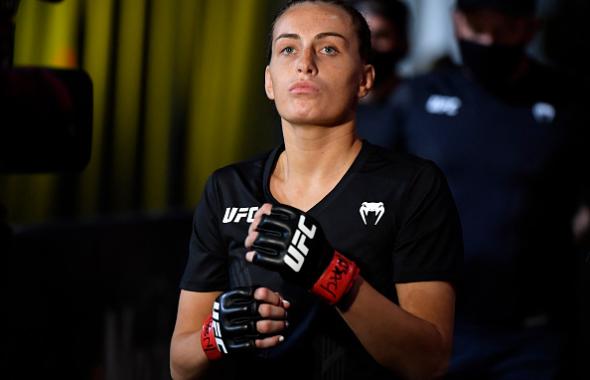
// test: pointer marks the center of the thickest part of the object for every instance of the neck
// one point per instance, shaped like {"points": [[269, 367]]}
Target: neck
{"points": [[314, 161], [316, 152]]}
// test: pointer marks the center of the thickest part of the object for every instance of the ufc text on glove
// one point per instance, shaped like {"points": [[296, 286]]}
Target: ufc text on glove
{"points": [[293, 243], [231, 326]]}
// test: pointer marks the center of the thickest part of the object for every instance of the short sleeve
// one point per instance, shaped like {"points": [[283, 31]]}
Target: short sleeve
{"points": [[429, 245], [206, 268]]}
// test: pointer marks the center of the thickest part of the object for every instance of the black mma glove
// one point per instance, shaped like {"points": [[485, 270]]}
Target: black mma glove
{"points": [[293, 244], [231, 327]]}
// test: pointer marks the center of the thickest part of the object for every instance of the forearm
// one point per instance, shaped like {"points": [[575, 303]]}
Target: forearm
{"points": [[187, 359], [405, 344], [412, 340]]}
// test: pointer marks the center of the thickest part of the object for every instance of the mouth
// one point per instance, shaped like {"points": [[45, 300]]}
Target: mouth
{"points": [[303, 87]]}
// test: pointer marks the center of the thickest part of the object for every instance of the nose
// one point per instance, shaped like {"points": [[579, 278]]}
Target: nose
{"points": [[306, 63]]}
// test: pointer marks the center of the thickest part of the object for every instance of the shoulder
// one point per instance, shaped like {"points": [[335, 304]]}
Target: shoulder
{"points": [[553, 84], [441, 76], [396, 160], [242, 170], [552, 76], [239, 182], [446, 80], [398, 166]]}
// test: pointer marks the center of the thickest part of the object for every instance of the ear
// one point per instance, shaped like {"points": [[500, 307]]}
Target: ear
{"points": [[268, 84], [367, 80]]}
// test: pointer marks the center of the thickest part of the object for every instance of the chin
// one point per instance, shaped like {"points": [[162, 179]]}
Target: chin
{"points": [[312, 121], [312, 117]]}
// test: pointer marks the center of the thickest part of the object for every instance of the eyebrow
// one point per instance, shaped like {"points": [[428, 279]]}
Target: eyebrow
{"points": [[317, 37]]}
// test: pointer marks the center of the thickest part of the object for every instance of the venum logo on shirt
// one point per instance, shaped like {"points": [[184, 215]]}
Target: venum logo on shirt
{"points": [[236, 214], [375, 208], [443, 105]]}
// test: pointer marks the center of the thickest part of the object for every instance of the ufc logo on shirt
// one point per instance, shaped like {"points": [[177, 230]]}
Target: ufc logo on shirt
{"points": [[297, 249], [236, 214]]}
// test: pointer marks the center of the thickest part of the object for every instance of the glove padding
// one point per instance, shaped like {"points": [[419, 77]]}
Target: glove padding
{"points": [[292, 243], [231, 327]]}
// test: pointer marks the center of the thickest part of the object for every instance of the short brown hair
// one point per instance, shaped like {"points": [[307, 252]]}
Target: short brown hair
{"points": [[363, 32]]}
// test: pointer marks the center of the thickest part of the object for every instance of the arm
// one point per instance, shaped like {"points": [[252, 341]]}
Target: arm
{"points": [[413, 339], [264, 308], [187, 359]]}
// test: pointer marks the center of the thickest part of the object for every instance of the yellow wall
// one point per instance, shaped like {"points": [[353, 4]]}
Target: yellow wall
{"points": [[178, 92]]}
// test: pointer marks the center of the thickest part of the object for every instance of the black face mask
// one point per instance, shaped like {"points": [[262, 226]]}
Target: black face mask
{"points": [[491, 65]]}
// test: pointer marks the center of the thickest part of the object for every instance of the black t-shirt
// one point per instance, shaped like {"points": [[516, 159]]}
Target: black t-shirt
{"points": [[393, 214], [516, 165]]}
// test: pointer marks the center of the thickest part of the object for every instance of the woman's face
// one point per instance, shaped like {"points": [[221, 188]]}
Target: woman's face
{"points": [[316, 75]]}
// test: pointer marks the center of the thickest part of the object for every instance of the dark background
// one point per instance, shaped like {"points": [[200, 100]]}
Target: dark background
{"points": [[91, 261]]}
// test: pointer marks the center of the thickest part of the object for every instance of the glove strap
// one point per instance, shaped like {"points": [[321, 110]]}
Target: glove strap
{"points": [[337, 279], [208, 340]]}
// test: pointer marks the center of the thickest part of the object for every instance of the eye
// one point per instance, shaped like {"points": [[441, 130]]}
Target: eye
{"points": [[288, 50], [329, 50]]}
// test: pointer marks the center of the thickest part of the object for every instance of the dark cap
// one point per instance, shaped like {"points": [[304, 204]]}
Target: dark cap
{"points": [[511, 7]]}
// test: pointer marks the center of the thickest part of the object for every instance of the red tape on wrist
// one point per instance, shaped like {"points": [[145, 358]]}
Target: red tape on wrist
{"points": [[337, 279], [208, 340]]}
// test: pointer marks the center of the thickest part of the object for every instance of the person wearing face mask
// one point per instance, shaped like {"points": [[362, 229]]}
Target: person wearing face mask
{"points": [[388, 22], [507, 132], [492, 40]]}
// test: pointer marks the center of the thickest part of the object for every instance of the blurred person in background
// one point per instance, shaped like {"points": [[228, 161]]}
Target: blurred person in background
{"points": [[388, 22], [506, 132], [328, 257]]}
